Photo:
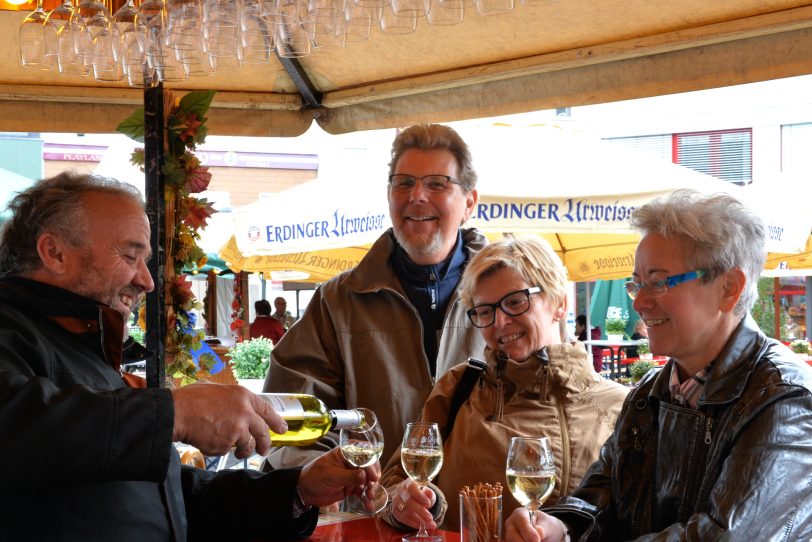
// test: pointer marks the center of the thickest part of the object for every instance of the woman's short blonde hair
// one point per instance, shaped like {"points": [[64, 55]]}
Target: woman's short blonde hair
{"points": [[531, 257]]}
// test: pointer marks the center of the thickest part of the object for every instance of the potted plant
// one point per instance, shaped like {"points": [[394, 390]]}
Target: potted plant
{"points": [[638, 369], [250, 361], [615, 329], [643, 351], [801, 347]]}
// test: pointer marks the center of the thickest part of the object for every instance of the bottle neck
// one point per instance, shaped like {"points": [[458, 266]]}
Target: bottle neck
{"points": [[345, 419]]}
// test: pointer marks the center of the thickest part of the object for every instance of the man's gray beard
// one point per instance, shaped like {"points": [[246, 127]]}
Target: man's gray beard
{"points": [[434, 244]]}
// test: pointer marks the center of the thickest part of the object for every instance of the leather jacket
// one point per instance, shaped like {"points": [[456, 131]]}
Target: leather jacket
{"points": [[739, 467], [87, 458]]}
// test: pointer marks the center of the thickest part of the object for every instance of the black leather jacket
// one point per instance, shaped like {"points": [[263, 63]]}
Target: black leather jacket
{"points": [[86, 458], [738, 468]]}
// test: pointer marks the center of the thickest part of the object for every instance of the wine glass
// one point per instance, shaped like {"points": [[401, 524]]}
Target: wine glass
{"points": [[36, 50], [60, 33], [530, 471], [361, 447], [421, 455]]}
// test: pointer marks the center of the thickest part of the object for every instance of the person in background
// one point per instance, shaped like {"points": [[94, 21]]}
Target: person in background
{"points": [[640, 332], [718, 444], [282, 314], [595, 335], [90, 456], [533, 385], [265, 325], [378, 335]]}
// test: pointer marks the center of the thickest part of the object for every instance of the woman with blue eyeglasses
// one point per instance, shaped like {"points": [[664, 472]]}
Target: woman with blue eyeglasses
{"points": [[533, 384], [718, 444]]}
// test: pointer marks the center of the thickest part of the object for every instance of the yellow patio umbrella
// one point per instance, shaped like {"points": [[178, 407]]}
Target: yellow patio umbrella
{"points": [[589, 257], [310, 232], [800, 262], [311, 266], [579, 193], [576, 191]]}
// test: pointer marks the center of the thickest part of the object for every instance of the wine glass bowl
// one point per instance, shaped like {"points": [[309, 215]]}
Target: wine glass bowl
{"points": [[421, 455], [530, 472], [36, 46], [60, 30], [362, 447]]}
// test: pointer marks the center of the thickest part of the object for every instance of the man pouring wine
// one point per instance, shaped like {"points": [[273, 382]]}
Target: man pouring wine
{"points": [[72, 265]]}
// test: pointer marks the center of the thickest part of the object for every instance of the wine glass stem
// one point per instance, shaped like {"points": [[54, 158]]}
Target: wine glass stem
{"points": [[532, 513], [422, 532]]}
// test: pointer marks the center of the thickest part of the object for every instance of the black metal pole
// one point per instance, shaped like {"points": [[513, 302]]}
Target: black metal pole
{"points": [[808, 308], [155, 337]]}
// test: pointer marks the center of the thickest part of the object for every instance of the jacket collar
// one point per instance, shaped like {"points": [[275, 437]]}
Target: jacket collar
{"points": [[731, 369], [374, 272], [568, 366], [98, 326]]}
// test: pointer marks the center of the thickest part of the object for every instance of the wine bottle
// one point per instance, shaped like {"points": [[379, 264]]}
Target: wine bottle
{"points": [[308, 418]]}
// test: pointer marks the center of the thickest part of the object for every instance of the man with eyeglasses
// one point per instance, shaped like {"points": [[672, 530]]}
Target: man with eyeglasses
{"points": [[718, 444], [379, 335]]}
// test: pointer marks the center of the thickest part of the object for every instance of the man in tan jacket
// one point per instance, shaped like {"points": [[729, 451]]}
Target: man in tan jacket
{"points": [[379, 335]]}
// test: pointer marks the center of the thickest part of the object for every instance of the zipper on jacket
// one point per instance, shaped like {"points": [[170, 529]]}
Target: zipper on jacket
{"points": [[636, 435], [566, 458], [544, 394], [708, 426], [544, 391], [433, 290], [432, 378]]}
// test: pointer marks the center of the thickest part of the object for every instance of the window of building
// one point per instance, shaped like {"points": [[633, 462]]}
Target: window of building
{"points": [[796, 140], [656, 146], [724, 154]]}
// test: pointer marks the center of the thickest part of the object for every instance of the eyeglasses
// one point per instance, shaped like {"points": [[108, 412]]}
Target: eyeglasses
{"points": [[658, 288], [400, 182], [513, 304]]}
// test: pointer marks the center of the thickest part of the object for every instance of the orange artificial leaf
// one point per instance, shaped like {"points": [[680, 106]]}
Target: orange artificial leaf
{"points": [[198, 179], [199, 212]]}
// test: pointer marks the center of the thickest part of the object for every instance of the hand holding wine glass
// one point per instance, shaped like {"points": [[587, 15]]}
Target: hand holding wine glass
{"points": [[530, 471], [362, 447], [422, 456]]}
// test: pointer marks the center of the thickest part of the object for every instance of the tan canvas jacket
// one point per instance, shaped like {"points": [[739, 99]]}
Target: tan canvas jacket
{"points": [[360, 344], [562, 399]]}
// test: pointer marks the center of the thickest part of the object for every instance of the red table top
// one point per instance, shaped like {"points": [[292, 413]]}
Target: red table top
{"points": [[367, 530]]}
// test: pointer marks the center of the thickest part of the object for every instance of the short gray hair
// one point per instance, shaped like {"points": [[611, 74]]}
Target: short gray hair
{"points": [[53, 205], [434, 137], [724, 234]]}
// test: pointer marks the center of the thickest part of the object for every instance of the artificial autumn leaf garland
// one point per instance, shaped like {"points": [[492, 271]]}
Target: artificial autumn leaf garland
{"points": [[186, 214]]}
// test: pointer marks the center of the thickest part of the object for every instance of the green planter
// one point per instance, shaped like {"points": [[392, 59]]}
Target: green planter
{"points": [[251, 359], [615, 326]]}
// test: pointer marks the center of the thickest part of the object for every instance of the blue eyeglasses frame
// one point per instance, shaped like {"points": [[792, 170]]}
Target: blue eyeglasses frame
{"points": [[658, 288]]}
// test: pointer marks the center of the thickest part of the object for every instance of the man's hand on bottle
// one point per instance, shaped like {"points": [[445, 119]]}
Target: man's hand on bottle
{"points": [[328, 479], [215, 418]]}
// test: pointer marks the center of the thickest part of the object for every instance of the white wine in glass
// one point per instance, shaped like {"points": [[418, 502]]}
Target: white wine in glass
{"points": [[530, 472], [361, 447], [421, 455]]}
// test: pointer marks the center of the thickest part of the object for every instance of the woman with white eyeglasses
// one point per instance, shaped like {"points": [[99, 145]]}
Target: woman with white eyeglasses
{"points": [[533, 385]]}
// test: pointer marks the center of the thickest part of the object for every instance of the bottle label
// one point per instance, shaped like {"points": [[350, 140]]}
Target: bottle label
{"points": [[347, 419], [287, 406]]}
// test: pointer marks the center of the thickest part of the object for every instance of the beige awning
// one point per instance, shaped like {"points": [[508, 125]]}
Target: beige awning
{"points": [[570, 53]]}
